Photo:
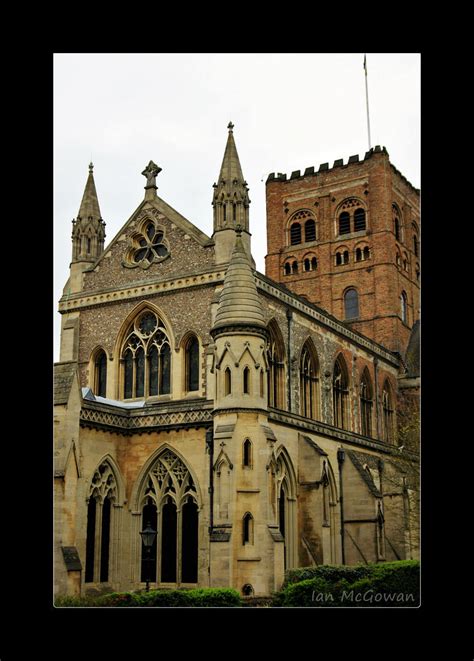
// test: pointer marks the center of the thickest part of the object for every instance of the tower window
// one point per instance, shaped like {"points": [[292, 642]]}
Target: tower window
{"points": [[227, 381], [88, 245], [358, 255], [287, 268], [246, 381], [310, 230], [345, 257], [404, 307], [351, 304], [234, 211], [307, 265], [295, 234], [247, 453], [225, 212], [294, 267], [314, 263], [344, 223], [366, 252], [338, 259], [359, 220]]}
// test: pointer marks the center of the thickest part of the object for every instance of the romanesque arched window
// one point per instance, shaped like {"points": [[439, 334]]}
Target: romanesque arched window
{"points": [[366, 252], [397, 223], [404, 307], [146, 357], [344, 223], [309, 381], [227, 381], [276, 371], [287, 268], [359, 220], [170, 504], [310, 230], [366, 402], [351, 304], [192, 364], [100, 374], [102, 493], [246, 381], [295, 234], [340, 393], [388, 413], [294, 267]]}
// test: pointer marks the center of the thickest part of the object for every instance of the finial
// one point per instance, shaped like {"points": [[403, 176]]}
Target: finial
{"points": [[151, 172], [230, 126], [238, 230], [91, 167]]}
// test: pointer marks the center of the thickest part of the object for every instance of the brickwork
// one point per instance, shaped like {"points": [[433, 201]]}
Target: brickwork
{"points": [[375, 185]]}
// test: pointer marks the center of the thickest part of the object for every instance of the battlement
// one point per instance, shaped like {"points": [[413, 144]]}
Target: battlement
{"points": [[338, 163]]}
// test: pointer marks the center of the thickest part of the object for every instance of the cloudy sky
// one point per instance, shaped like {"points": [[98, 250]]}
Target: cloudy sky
{"points": [[290, 111]]}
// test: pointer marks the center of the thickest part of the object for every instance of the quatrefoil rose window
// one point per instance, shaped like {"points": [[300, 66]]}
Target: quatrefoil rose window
{"points": [[147, 247]]}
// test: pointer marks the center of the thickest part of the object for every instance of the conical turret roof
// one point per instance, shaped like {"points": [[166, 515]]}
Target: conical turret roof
{"points": [[239, 303], [230, 168]]}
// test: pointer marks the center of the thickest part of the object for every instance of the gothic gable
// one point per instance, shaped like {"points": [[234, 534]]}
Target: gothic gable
{"points": [[156, 243]]}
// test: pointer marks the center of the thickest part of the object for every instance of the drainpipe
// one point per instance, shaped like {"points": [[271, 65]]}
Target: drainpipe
{"points": [[289, 316], [341, 455]]}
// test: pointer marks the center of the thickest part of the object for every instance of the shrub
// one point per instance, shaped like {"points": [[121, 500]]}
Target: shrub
{"points": [[214, 597], [384, 584], [199, 597]]}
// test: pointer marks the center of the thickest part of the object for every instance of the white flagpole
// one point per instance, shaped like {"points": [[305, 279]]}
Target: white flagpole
{"points": [[367, 96]]}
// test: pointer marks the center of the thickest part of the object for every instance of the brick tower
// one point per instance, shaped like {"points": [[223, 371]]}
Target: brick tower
{"points": [[347, 238]]}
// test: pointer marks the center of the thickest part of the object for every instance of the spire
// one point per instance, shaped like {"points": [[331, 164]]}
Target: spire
{"points": [[90, 203], [239, 304], [88, 229], [230, 199]]}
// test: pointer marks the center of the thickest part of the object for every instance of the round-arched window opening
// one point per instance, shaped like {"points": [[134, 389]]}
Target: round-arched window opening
{"points": [[247, 590]]}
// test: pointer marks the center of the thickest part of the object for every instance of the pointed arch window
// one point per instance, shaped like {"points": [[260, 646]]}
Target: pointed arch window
{"points": [[170, 499], [192, 364], [146, 358], [276, 371], [351, 304], [309, 382], [340, 393], [227, 381], [388, 413], [366, 403], [246, 381], [247, 529], [100, 379], [102, 494]]}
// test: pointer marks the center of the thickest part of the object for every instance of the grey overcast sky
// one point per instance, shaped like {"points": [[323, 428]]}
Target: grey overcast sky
{"points": [[290, 111]]}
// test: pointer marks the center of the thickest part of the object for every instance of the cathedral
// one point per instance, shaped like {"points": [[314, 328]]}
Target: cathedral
{"points": [[254, 422]]}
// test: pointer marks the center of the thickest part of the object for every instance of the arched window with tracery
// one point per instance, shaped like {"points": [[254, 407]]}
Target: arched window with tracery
{"points": [[388, 413], [146, 357], [351, 216], [340, 393], [309, 382], [276, 371], [366, 402], [170, 500], [192, 364], [102, 494], [100, 373]]}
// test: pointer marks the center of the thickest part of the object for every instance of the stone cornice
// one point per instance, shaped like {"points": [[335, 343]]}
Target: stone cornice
{"points": [[288, 298], [139, 290], [334, 433]]}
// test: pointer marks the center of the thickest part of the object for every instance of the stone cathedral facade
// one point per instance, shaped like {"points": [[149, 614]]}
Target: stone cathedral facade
{"points": [[252, 420]]}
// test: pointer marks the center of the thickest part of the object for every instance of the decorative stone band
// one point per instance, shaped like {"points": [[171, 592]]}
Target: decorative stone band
{"points": [[140, 289], [239, 329], [132, 422]]}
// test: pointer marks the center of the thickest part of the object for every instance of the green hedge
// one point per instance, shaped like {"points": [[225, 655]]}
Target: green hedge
{"points": [[199, 597], [393, 584]]}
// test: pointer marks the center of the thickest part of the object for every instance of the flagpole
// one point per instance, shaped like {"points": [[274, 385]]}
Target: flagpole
{"points": [[367, 97]]}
